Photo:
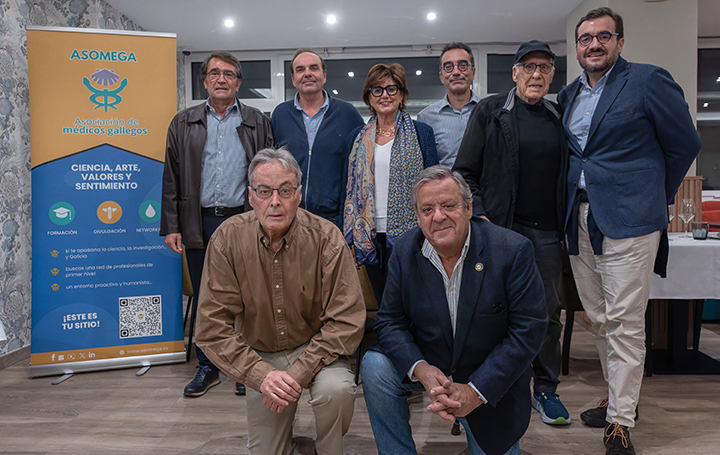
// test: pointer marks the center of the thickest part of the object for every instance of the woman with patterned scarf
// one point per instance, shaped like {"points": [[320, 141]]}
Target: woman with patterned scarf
{"points": [[385, 157]]}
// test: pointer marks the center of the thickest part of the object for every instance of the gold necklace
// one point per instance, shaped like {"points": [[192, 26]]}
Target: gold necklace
{"points": [[386, 133]]}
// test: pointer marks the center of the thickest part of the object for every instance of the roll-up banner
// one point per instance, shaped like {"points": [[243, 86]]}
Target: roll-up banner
{"points": [[106, 290]]}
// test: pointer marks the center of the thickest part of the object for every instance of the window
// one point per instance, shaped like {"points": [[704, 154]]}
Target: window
{"points": [[346, 77], [499, 73], [255, 82], [708, 108]]}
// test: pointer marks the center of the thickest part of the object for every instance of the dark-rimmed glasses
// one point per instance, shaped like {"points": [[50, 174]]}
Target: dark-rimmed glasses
{"points": [[215, 75], [265, 192], [391, 90], [602, 37], [462, 65], [530, 68]]}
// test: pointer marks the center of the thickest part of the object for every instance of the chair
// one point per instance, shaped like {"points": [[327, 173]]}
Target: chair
{"points": [[187, 289], [371, 306], [571, 301], [711, 213]]}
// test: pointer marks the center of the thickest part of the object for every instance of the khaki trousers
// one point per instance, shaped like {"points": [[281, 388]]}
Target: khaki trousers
{"points": [[332, 397], [614, 288]]}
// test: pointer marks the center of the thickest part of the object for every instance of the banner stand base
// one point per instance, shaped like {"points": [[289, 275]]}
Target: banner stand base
{"points": [[62, 379], [70, 368]]}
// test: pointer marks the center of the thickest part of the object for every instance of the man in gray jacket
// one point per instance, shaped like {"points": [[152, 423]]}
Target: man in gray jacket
{"points": [[209, 148]]}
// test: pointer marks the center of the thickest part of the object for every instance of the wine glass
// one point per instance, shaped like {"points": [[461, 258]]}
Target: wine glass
{"points": [[687, 213], [671, 212]]}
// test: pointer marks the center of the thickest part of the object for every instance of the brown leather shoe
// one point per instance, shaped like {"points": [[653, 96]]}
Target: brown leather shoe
{"points": [[617, 440]]}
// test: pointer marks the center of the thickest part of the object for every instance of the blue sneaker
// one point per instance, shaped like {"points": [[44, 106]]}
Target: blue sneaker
{"points": [[551, 409]]}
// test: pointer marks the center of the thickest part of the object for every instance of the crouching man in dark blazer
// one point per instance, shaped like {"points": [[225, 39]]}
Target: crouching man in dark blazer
{"points": [[462, 317]]}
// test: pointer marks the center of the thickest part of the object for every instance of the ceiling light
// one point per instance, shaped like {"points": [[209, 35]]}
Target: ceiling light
{"points": [[718, 80], [351, 74], [706, 104], [418, 73], [431, 16], [331, 19], [229, 23], [335, 92]]}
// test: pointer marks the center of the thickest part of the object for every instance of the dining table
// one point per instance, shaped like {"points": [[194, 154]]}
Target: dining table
{"points": [[693, 275]]}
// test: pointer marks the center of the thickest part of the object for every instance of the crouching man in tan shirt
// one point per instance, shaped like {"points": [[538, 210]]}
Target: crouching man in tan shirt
{"points": [[281, 310]]}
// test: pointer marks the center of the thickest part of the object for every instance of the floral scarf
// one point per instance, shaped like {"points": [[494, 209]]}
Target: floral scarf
{"points": [[406, 162]]}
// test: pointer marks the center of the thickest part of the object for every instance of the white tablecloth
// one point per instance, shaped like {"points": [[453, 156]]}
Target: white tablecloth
{"points": [[693, 270]]}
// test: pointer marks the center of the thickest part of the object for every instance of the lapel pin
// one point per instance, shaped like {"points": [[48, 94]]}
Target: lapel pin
{"points": [[479, 267]]}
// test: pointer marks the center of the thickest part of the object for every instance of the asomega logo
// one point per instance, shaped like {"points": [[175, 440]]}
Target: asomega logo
{"points": [[103, 56]]}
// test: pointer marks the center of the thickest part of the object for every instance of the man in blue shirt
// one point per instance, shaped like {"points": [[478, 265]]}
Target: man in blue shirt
{"points": [[314, 127], [209, 147], [631, 140], [449, 116]]}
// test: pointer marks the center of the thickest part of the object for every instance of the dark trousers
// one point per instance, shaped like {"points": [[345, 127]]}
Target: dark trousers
{"points": [[195, 259], [548, 257], [378, 273]]}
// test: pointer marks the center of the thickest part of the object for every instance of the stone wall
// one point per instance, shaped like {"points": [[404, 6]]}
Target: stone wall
{"points": [[15, 194]]}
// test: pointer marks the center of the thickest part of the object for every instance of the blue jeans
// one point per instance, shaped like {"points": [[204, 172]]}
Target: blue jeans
{"points": [[386, 399]]}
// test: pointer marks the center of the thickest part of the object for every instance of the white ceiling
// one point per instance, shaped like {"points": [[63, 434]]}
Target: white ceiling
{"points": [[273, 24], [286, 24]]}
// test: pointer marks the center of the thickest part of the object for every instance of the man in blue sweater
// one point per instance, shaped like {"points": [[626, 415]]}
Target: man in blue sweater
{"points": [[314, 127]]}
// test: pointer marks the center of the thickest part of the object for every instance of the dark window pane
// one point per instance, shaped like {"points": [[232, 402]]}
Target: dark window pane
{"points": [[421, 76], [255, 82], [499, 73], [708, 109], [708, 70], [708, 163]]}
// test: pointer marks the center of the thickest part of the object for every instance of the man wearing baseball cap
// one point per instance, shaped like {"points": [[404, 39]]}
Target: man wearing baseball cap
{"points": [[514, 158]]}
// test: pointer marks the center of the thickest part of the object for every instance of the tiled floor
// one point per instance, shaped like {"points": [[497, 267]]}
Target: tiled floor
{"points": [[115, 412]]}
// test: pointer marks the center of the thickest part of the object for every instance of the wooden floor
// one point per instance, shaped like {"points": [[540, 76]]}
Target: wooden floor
{"points": [[116, 412]]}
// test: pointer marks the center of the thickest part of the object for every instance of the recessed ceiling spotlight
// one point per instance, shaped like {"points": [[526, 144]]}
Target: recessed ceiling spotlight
{"points": [[331, 19], [418, 73], [431, 16], [706, 104], [351, 74], [229, 23], [335, 92]]}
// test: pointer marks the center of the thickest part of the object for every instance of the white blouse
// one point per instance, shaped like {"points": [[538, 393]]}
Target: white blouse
{"points": [[382, 183]]}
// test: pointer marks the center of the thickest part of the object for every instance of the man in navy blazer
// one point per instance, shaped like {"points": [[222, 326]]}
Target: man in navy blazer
{"points": [[631, 141], [462, 317]]}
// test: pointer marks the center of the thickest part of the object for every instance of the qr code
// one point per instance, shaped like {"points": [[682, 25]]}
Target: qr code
{"points": [[140, 316]]}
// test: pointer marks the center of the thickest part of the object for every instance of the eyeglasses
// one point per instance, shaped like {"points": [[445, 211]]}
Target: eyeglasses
{"points": [[602, 37], [462, 65], [391, 90], [429, 211], [265, 192], [215, 75], [531, 67]]}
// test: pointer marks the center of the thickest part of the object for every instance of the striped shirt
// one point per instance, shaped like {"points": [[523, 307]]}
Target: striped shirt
{"points": [[224, 163], [312, 124], [449, 125], [453, 282]]}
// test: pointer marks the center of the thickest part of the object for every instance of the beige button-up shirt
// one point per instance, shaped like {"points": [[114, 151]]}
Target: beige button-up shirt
{"points": [[253, 298]]}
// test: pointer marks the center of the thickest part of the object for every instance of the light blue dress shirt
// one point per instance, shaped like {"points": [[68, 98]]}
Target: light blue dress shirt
{"points": [[449, 125], [224, 163], [582, 113], [312, 124]]}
